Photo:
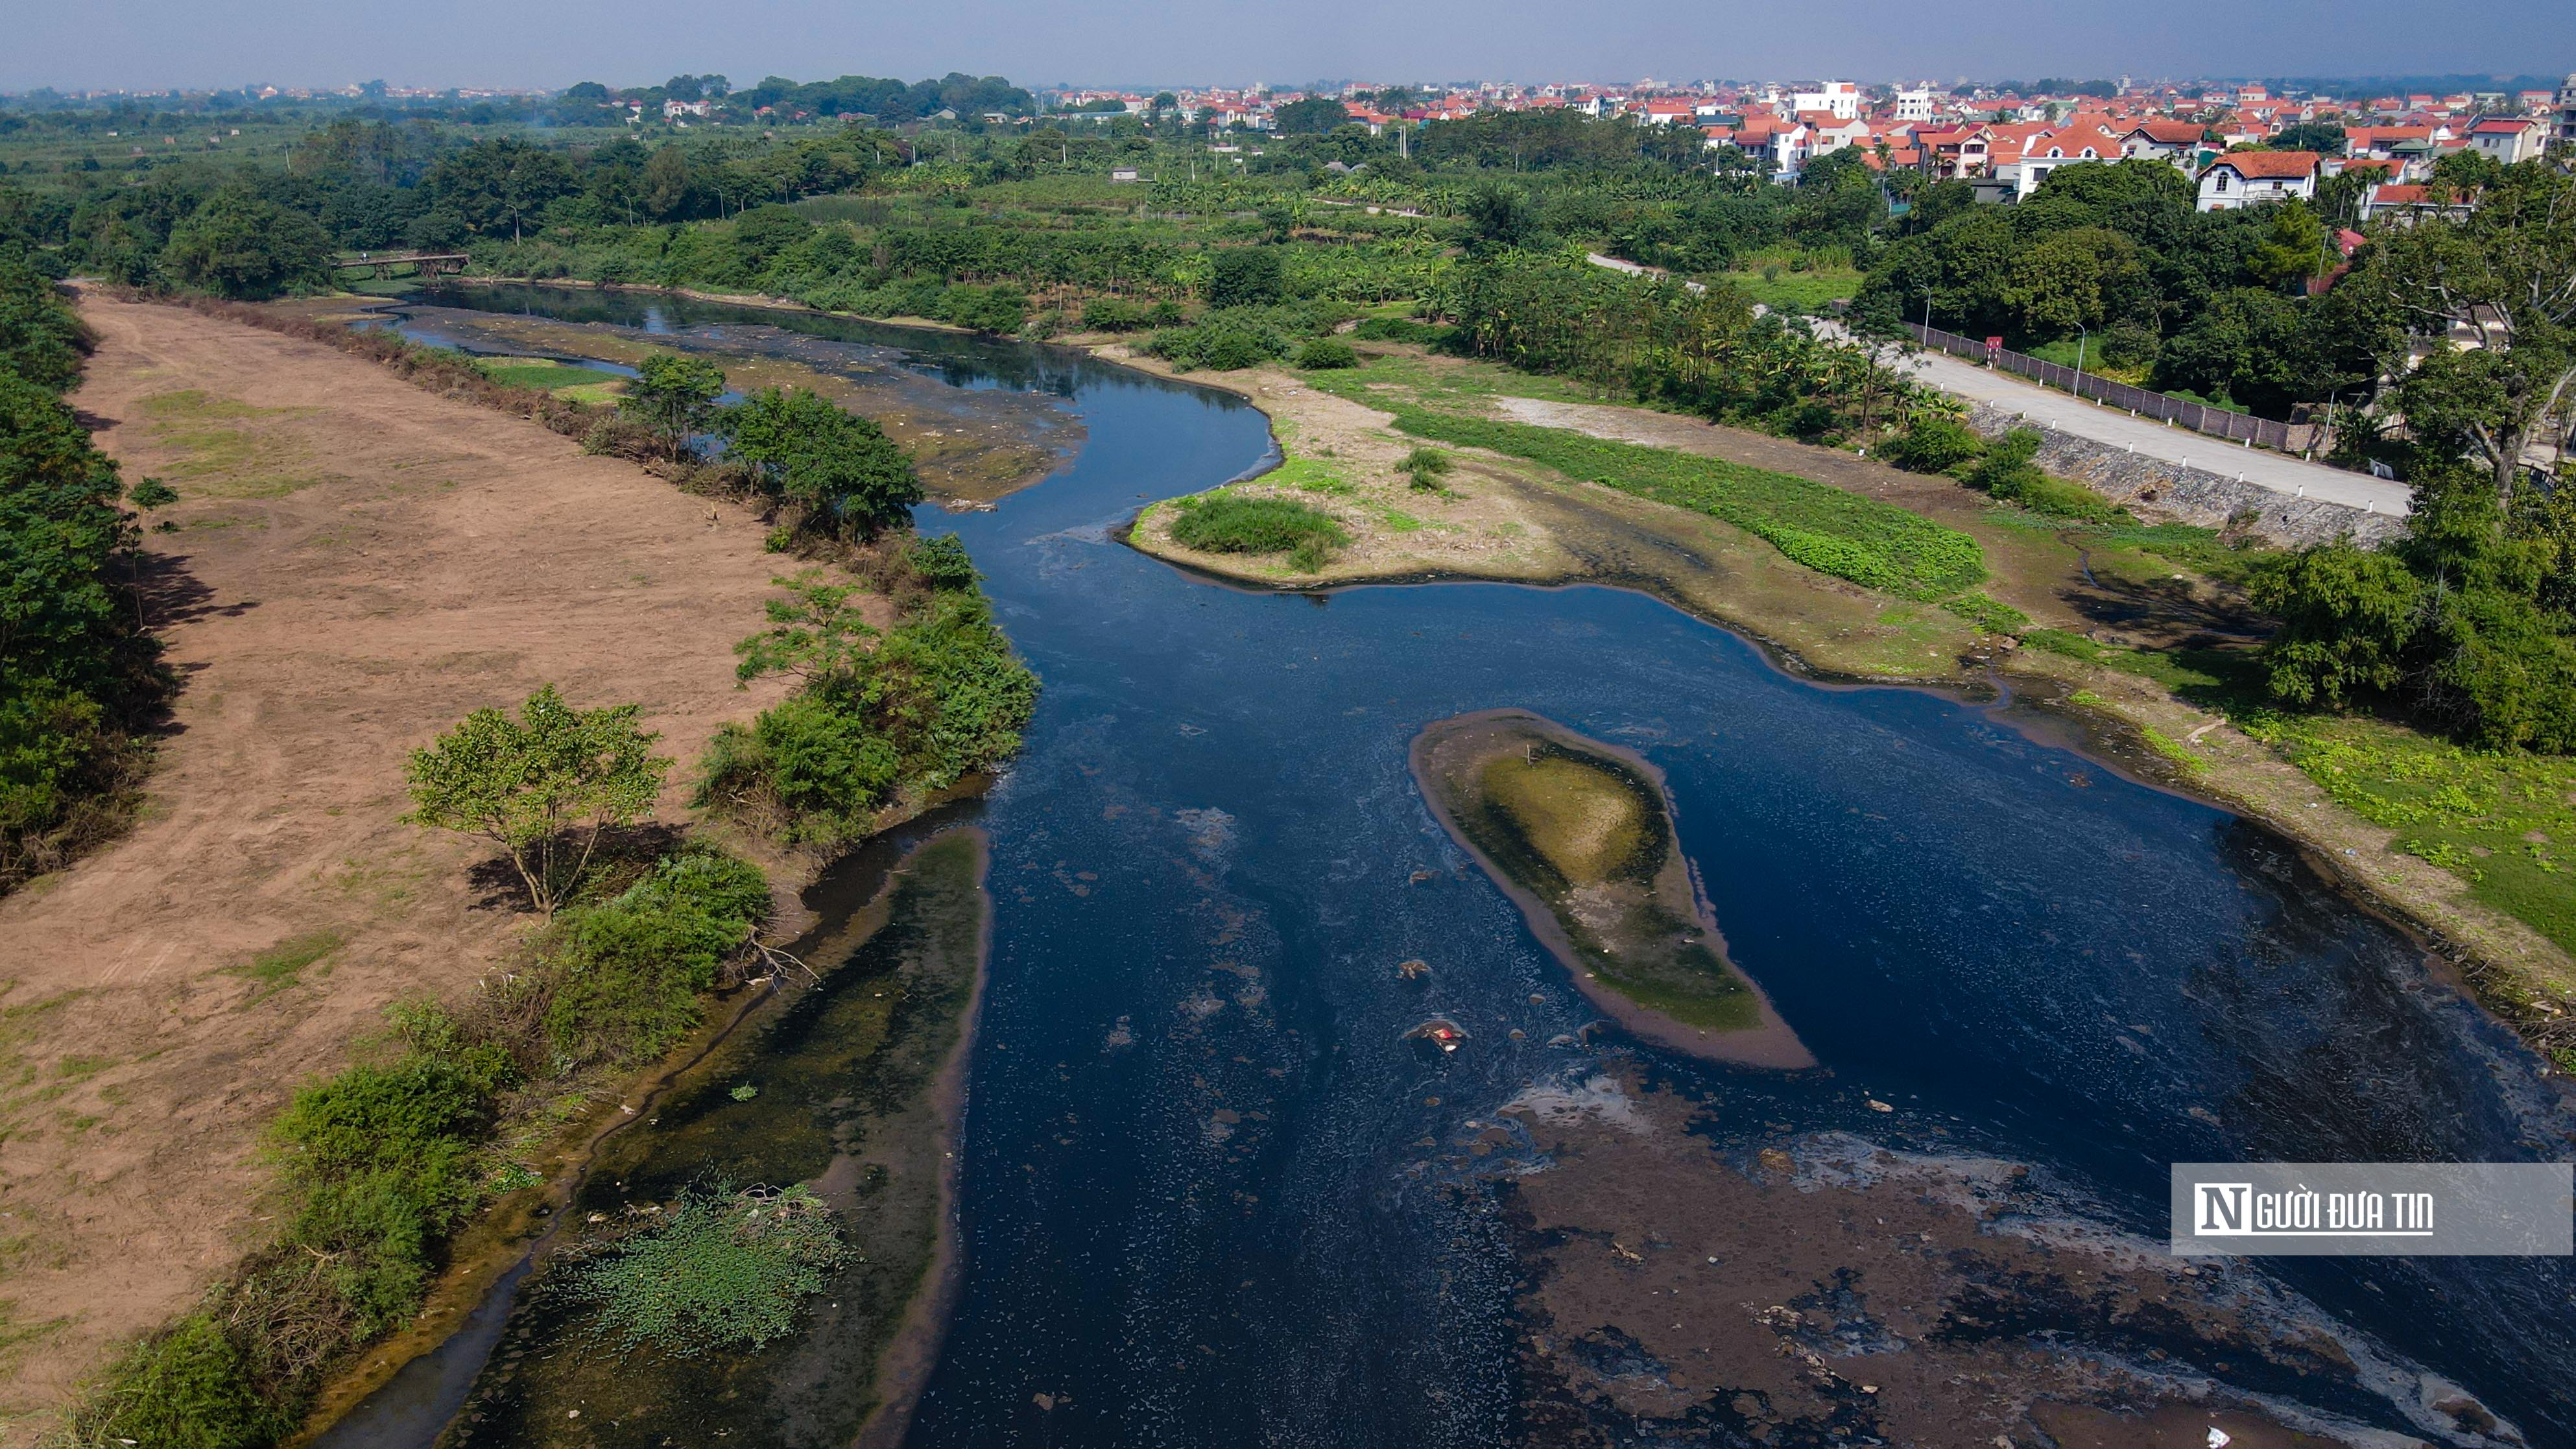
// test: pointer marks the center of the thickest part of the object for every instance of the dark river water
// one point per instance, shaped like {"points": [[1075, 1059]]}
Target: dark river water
{"points": [[1210, 857]]}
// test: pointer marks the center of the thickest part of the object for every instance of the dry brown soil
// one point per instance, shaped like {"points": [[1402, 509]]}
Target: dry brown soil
{"points": [[357, 563]]}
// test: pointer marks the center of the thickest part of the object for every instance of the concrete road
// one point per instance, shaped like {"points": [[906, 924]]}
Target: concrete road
{"points": [[2069, 414]]}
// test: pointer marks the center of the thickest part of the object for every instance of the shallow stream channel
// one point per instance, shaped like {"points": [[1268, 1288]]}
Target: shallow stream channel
{"points": [[1211, 1189]]}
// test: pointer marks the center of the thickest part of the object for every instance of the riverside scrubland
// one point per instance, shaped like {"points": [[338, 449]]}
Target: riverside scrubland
{"points": [[452, 1117]]}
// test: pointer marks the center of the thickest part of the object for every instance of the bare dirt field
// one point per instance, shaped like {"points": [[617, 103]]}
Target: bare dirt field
{"points": [[357, 563]]}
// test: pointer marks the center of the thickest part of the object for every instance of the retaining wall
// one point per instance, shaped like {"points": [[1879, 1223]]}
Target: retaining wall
{"points": [[2157, 489]]}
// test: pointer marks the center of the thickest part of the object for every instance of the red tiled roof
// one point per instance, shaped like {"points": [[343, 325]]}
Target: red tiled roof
{"points": [[2168, 133], [2270, 165]]}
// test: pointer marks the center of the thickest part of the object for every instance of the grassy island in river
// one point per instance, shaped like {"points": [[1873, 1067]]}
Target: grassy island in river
{"points": [[1580, 835]]}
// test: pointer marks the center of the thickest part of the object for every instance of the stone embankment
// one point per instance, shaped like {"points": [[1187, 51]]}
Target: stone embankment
{"points": [[2163, 489]]}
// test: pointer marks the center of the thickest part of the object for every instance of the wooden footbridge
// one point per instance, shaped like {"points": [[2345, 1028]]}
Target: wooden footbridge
{"points": [[383, 266]]}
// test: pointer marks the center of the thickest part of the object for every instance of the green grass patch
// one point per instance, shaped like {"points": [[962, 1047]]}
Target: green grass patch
{"points": [[1312, 475], [544, 374], [1991, 615], [1228, 522], [2225, 679], [282, 965], [1807, 291], [717, 1270], [1873, 544], [2504, 821]]}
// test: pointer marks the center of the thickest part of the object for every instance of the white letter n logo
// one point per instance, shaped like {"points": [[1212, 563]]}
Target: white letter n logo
{"points": [[2222, 1209]]}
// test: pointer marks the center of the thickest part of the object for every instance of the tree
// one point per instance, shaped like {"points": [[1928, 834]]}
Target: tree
{"points": [[542, 786], [674, 395], [2323, 137], [2079, 278], [815, 634], [500, 181], [1499, 217], [1246, 277], [851, 478], [1313, 116], [40, 339], [2508, 268], [239, 245]]}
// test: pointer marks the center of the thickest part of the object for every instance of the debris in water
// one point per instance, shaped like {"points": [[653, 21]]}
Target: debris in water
{"points": [[1413, 970], [1441, 1032]]}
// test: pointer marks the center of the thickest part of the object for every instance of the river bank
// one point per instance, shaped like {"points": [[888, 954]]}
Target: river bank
{"points": [[353, 564], [1541, 527]]}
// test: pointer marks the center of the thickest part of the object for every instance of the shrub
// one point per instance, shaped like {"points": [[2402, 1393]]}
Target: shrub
{"points": [[1933, 443], [1992, 615], [1400, 329], [1113, 314], [1427, 466], [1001, 309], [624, 978], [1240, 523], [1326, 353], [2007, 472], [1224, 342], [188, 1387], [941, 562]]}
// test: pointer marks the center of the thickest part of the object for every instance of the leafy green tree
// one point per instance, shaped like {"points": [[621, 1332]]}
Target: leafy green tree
{"points": [[1314, 116], [41, 339], [501, 181], [2082, 277], [815, 634], [243, 246], [542, 786], [2347, 615], [2508, 267], [675, 395], [1246, 277], [2326, 138], [1499, 217], [850, 477]]}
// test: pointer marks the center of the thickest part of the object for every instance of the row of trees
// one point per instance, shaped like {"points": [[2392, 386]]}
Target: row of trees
{"points": [[77, 676], [2469, 621], [1702, 349]]}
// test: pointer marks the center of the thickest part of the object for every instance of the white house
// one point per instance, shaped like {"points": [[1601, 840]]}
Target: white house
{"points": [[1842, 98], [2511, 138], [1913, 105], [674, 110], [2248, 178], [2045, 153], [2172, 142]]}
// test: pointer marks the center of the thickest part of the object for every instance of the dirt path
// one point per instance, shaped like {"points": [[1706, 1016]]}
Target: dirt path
{"points": [[359, 562]]}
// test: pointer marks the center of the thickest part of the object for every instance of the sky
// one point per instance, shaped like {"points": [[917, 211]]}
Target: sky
{"points": [[143, 44]]}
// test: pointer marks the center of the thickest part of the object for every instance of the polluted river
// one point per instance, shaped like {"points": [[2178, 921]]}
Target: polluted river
{"points": [[1213, 1185]]}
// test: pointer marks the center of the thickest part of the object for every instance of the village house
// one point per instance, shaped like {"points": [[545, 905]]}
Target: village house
{"points": [[2248, 178], [1841, 98], [2173, 142], [2042, 154], [2404, 204], [2509, 139]]}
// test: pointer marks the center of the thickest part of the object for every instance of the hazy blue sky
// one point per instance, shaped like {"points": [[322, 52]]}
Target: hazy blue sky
{"points": [[149, 43]]}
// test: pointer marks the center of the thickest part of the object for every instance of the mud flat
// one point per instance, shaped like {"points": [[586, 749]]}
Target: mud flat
{"points": [[1580, 835], [1816, 1288]]}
